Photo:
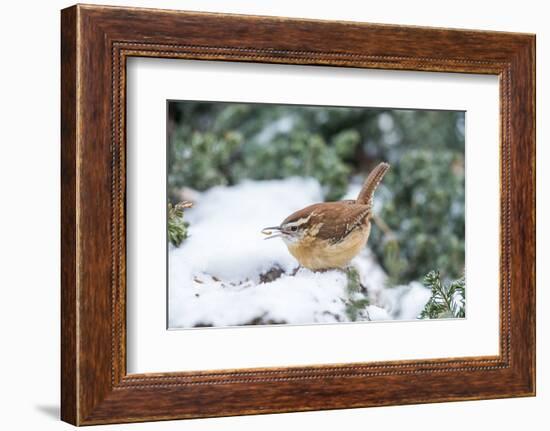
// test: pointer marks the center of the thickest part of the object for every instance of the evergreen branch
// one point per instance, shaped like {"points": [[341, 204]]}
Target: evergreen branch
{"points": [[177, 227], [357, 301], [447, 301]]}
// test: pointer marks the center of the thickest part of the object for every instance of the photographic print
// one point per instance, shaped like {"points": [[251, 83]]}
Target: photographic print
{"points": [[295, 214]]}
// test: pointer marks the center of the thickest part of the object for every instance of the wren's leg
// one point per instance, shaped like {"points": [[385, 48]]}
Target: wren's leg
{"points": [[295, 271]]}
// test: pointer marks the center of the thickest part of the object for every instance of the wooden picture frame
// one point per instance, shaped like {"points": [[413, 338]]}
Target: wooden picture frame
{"points": [[96, 41]]}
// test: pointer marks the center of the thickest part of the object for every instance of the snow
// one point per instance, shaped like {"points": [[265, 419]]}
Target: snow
{"points": [[404, 302], [226, 274]]}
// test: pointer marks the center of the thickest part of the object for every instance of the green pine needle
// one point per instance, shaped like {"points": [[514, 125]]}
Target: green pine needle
{"points": [[177, 227], [447, 300], [357, 301]]}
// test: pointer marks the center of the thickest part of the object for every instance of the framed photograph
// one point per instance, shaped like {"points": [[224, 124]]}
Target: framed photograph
{"points": [[263, 214]]}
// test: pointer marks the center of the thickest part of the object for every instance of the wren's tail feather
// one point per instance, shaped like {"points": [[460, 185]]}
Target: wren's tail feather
{"points": [[371, 183]]}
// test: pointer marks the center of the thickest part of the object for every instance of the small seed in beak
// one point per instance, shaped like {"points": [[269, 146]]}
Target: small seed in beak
{"points": [[268, 230]]}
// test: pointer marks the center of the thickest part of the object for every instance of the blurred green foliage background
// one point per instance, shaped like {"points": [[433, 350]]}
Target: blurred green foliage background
{"points": [[420, 206]]}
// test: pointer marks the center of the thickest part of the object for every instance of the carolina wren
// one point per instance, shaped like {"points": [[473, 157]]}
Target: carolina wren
{"points": [[328, 235]]}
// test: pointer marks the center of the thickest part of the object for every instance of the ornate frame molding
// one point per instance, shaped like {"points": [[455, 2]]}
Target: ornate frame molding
{"points": [[96, 41]]}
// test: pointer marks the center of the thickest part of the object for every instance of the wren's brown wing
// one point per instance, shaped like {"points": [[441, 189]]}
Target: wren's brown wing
{"points": [[338, 219]]}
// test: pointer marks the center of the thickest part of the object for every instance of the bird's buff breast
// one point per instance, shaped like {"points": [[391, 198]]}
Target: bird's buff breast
{"points": [[318, 254]]}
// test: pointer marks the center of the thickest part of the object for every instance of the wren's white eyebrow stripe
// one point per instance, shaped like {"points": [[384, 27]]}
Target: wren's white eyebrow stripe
{"points": [[298, 222]]}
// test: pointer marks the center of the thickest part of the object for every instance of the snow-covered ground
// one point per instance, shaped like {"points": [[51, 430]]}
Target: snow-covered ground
{"points": [[225, 274]]}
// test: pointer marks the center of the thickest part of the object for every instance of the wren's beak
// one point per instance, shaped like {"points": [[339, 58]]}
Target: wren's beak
{"points": [[268, 231]]}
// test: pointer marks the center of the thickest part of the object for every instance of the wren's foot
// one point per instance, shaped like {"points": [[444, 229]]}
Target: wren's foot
{"points": [[295, 270]]}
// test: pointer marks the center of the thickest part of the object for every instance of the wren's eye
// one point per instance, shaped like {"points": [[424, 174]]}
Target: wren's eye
{"points": [[294, 228]]}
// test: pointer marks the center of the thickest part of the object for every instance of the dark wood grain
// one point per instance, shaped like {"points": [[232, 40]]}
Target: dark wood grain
{"points": [[68, 218], [96, 41]]}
